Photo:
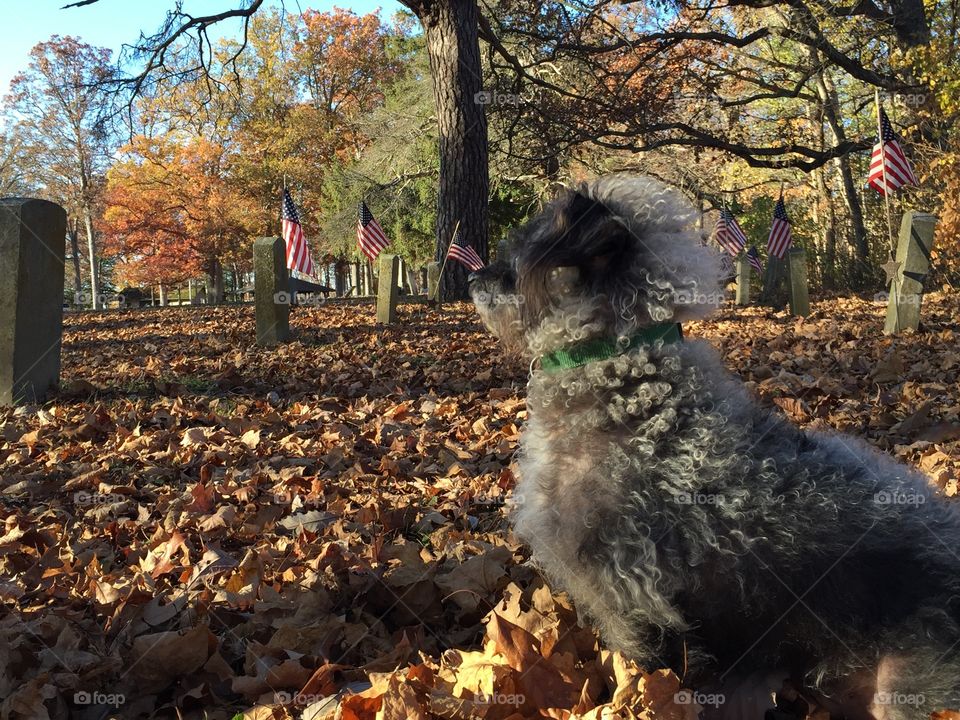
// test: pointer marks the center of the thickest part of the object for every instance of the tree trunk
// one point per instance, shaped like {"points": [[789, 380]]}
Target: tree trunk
{"points": [[910, 22], [412, 281], [73, 234], [163, 295], [831, 107], [453, 45], [215, 296], [828, 221], [92, 252]]}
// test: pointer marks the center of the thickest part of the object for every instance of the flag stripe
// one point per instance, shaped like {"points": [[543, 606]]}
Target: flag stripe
{"points": [[889, 167], [370, 236], [466, 255], [729, 234], [298, 252], [781, 235], [463, 253]]}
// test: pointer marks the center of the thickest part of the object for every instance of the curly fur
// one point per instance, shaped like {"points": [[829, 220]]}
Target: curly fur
{"points": [[692, 526]]}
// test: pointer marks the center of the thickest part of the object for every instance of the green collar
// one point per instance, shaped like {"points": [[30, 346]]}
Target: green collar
{"points": [[604, 348]]}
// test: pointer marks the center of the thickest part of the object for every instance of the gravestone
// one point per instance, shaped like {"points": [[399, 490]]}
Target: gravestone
{"points": [[32, 239], [433, 282], [743, 280], [913, 260], [774, 292], [387, 291], [271, 287], [799, 295]]}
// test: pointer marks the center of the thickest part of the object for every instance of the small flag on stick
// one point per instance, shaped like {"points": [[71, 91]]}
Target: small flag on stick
{"points": [[754, 258], [464, 253], [781, 236], [889, 167], [370, 236], [729, 234], [298, 252]]}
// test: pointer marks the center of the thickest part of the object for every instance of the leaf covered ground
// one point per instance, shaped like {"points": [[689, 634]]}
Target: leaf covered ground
{"points": [[196, 527]]}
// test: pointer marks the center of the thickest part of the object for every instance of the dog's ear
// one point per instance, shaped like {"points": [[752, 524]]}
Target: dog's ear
{"points": [[576, 240]]}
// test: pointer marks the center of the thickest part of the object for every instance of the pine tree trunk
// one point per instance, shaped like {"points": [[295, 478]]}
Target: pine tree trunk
{"points": [[453, 45]]}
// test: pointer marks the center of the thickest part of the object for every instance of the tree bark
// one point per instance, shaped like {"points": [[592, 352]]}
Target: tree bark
{"points": [[92, 252], [73, 234], [831, 109], [453, 45], [828, 221], [215, 296]]}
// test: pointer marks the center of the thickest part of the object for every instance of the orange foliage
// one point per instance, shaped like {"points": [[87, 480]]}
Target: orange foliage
{"points": [[171, 211]]}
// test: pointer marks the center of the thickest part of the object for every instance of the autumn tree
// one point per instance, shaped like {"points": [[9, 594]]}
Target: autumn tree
{"points": [[308, 82], [172, 212], [60, 111]]}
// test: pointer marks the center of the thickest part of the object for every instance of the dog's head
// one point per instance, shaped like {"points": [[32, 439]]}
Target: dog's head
{"points": [[606, 259]]}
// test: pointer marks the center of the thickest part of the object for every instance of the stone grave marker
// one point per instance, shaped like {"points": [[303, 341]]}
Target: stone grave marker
{"points": [[912, 266], [32, 239], [387, 291], [271, 285], [797, 278]]}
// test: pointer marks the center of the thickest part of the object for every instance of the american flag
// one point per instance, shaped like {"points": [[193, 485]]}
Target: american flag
{"points": [[370, 235], [729, 233], [459, 250], [754, 257], [781, 237], [889, 167], [298, 252]]}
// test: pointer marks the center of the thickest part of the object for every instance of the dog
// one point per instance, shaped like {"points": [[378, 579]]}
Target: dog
{"points": [[694, 527]]}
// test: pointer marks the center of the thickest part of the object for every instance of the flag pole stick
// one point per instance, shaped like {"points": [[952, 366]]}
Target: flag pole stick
{"points": [[883, 165], [446, 256]]}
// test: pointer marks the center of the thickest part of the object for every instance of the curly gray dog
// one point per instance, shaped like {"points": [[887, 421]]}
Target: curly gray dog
{"points": [[695, 528]]}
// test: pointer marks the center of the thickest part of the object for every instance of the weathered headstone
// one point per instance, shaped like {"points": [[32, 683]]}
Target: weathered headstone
{"points": [[774, 291], [743, 280], [388, 292], [799, 295], [433, 282], [32, 234], [271, 286], [913, 259]]}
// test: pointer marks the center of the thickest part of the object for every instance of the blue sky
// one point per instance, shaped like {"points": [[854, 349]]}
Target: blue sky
{"points": [[111, 23]]}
